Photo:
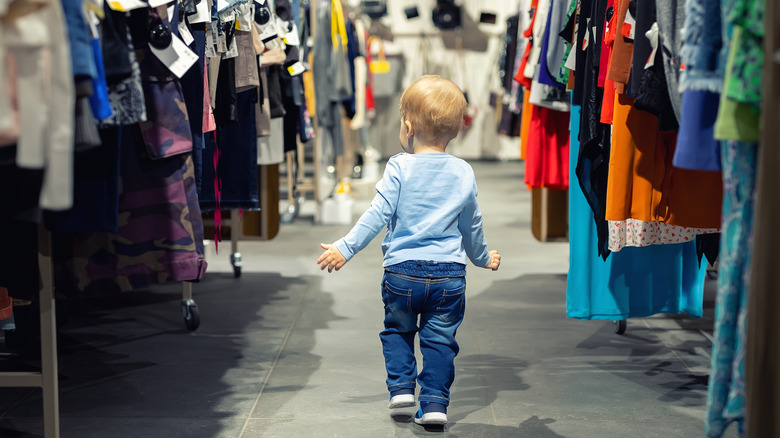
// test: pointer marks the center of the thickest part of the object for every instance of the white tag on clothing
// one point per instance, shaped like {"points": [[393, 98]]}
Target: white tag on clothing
{"points": [[571, 61], [210, 52], [232, 51], [202, 13], [291, 38], [296, 69], [244, 17], [155, 3], [185, 34], [177, 56], [126, 5]]}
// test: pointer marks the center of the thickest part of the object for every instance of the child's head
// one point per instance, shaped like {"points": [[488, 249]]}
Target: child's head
{"points": [[435, 107]]}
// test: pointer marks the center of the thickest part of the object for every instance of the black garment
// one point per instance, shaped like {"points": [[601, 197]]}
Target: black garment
{"points": [[708, 245], [653, 95], [20, 190], [275, 91], [225, 102], [645, 17], [192, 89], [116, 55], [95, 189], [595, 137], [506, 64], [230, 163]]}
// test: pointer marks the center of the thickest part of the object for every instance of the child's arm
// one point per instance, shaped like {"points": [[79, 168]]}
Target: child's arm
{"points": [[470, 226], [368, 226]]}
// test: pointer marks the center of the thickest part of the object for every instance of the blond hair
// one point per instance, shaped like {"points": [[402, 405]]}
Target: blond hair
{"points": [[435, 106]]}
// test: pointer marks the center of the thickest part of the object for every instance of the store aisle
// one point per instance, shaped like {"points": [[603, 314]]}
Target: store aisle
{"points": [[289, 351]]}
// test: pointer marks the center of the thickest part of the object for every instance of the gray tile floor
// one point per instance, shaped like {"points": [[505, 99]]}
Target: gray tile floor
{"points": [[289, 351]]}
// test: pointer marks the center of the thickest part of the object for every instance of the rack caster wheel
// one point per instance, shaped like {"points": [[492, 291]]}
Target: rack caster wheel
{"points": [[235, 261], [189, 311], [619, 326]]}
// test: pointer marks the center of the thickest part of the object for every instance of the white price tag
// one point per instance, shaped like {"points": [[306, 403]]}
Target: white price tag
{"points": [[291, 38], [126, 5], [296, 69], [155, 3], [202, 13], [177, 57], [185, 34], [210, 52], [244, 16], [221, 43], [232, 51]]}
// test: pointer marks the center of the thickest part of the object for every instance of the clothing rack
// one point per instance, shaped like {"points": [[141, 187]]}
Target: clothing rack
{"points": [[46, 379]]}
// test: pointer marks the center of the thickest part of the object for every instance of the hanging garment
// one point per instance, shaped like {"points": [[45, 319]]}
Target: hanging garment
{"points": [[125, 92], [192, 85], [80, 41], [554, 47], [547, 153], [671, 17], [653, 95], [726, 389], [645, 17], [701, 83], [644, 187], [738, 120], [623, 47], [38, 42], [230, 161], [701, 49], [160, 236], [747, 66], [697, 148], [594, 137], [95, 189], [635, 282]]}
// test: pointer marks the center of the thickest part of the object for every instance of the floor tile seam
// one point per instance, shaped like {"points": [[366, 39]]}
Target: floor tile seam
{"points": [[299, 313], [674, 352]]}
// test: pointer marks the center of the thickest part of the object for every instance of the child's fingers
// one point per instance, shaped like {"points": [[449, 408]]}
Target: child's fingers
{"points": [[324, 245]]}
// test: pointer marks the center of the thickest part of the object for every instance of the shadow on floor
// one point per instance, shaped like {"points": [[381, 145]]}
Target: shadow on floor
{"points": [[128, 365]]}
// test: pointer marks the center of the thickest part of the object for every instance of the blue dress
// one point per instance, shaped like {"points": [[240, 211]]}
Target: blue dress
{"points": [[726, 389], [634, 282]]}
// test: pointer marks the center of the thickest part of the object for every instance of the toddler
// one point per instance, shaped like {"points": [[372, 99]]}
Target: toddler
{"points": [[428, 201]]}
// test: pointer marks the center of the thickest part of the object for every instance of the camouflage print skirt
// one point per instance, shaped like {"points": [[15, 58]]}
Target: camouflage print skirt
{"points": [[160, 233]]}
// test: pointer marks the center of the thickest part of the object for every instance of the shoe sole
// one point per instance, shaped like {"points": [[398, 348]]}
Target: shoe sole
{"points": [[401, 401], [430, 418]]}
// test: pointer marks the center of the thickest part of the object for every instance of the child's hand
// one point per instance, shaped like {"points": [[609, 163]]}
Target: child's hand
{"points": [[495, 261], [331, 258]]}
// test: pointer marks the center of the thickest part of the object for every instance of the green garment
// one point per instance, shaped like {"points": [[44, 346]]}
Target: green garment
{"points": [[737, 120]]}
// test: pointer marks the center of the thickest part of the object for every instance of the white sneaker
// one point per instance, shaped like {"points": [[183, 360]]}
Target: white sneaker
{"points": [[401, 401], [439, 418]]}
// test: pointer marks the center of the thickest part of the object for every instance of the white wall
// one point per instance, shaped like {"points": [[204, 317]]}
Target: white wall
{"points": [[482, 44]]}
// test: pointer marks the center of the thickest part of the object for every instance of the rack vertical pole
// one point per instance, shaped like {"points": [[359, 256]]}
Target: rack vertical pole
{"points": [[49, 380]]}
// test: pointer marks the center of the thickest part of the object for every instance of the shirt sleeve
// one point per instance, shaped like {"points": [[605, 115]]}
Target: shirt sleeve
{"points": [[377, 216], [470, 226]]}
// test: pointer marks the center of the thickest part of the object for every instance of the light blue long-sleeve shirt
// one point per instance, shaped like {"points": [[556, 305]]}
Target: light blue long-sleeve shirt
{"points": [[429, 204]]}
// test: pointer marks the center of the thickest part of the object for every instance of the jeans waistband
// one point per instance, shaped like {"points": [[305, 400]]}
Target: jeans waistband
{"points": [[428, 269]]}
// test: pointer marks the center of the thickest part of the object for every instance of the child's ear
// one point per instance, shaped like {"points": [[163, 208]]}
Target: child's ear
{"points": [[409, 129]]}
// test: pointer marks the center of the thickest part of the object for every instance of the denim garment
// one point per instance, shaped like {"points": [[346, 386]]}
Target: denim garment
{"points": [[428, 268], [440, 303], [82, 57]]}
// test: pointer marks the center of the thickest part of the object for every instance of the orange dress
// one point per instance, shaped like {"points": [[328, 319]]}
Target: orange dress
{"points": [[648, 200]]}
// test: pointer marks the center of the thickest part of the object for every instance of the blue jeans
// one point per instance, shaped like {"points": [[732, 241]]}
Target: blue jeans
{"points": [[439, 302]]}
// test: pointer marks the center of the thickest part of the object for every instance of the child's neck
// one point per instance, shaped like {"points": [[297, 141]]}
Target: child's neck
{"points": [[429, 148]]}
